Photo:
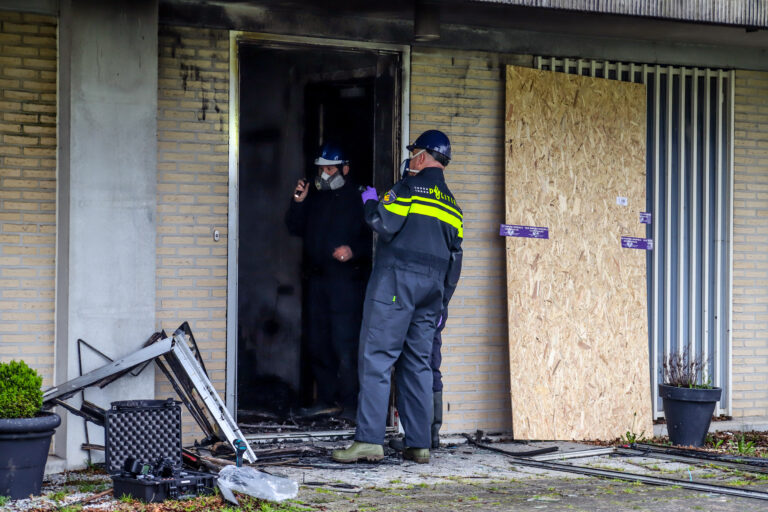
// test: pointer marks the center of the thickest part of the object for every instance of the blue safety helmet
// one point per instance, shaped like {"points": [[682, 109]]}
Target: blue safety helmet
{"points": [[330, 154], [433, 140]]}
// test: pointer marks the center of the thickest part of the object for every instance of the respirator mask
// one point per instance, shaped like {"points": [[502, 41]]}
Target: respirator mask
{"points": [[330, 182]]}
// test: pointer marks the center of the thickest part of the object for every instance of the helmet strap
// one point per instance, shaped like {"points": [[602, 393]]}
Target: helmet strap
{"points": [[411, 169]]}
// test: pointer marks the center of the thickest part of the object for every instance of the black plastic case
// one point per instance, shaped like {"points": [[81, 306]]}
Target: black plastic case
{"points": [[187, 485], [148, 431]]}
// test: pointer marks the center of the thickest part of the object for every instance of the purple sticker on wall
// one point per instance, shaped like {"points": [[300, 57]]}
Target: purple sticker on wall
{"points": [[523, 231], [645, 217], [631, 242]]}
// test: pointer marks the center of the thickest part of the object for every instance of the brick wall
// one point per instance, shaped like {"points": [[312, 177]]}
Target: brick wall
{"points": [[192, 122], [462, 94], [750, 245], [27, 189]]}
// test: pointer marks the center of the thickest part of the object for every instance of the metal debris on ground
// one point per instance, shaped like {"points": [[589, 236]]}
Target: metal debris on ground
{"points": [[184, 369], [329, 486]]}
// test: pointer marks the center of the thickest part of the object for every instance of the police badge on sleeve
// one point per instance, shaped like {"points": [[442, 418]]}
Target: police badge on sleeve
{"points": [[389, 197]]}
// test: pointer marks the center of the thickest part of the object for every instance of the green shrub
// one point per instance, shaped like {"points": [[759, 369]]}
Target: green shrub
{"points": [[20, 393]]}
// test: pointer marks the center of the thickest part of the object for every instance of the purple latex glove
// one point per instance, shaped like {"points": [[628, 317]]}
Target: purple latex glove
{"points": [[369, 194]]}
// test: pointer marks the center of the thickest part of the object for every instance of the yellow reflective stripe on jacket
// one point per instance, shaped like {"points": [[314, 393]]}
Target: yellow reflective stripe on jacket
{"points": [[427, 210], [437, 213], [397, 209], [435, 201]]}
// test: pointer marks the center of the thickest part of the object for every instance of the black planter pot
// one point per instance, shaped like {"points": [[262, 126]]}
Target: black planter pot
{"points": [[24, 444], [688, 412]]}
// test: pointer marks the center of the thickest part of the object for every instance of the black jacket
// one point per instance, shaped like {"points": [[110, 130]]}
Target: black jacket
{"points": [[419, 221], [327, 219]]}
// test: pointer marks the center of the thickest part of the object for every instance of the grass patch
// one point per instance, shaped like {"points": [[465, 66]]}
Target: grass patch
{"points": [[125, 499], [57, 496], [87, 487]]}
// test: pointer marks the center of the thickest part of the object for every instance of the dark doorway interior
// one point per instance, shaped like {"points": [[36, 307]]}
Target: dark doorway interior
{"points": [[342, 111], [292, 99]]}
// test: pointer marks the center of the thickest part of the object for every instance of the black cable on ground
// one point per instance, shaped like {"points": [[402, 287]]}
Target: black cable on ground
{"points": [[529, 453], [699, 454], [725, 464]]}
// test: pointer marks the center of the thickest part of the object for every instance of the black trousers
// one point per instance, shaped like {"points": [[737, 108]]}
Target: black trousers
{"points": [[333, 310]]}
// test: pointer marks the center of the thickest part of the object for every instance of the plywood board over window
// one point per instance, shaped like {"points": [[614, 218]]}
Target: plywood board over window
{"points": [[578, 334]]}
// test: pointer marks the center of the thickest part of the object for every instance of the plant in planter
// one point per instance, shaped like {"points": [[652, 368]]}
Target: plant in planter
{"points": [[25, 431], [688, 397]]}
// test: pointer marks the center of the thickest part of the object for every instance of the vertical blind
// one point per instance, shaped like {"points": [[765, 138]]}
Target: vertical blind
{"points": [[689, 162]]}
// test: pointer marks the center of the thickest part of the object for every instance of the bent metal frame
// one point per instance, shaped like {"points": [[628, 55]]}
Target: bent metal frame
{"points": [[185, 373]]}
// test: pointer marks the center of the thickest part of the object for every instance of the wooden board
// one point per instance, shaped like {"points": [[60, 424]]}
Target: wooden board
{"points": [[578, 334]]}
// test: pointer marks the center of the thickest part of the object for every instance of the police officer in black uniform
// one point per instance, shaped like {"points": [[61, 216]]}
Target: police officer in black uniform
{"points": [[336, 263], [420, 231]]}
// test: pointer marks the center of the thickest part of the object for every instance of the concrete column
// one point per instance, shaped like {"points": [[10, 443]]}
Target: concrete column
{"points": [[105, 260]]}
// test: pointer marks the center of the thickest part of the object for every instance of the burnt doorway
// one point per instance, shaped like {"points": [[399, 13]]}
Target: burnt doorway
{"points": [[292, 99]]}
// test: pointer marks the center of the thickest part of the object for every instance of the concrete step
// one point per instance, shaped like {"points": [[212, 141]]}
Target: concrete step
{"points": [[55, 464]]}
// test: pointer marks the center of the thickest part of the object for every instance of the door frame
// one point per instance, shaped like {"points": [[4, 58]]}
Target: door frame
{"points": [[233, 224]]}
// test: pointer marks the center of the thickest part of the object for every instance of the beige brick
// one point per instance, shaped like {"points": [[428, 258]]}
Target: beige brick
{"points": [[749, 362], [21, 28], [41, 63], [24, 96], [27, 326], [10, 150], [21, 51], [39, 130]]}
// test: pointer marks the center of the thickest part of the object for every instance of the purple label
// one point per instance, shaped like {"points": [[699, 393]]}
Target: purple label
{"points": [[645, 217], [631, 242], [524, 231]]}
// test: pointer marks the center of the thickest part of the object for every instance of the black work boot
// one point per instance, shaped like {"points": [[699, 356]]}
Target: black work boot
{"points": [[437, 421]]}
